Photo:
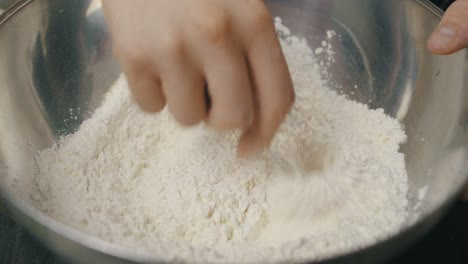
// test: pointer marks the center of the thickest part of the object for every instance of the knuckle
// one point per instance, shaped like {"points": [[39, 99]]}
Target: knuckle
{"points": [[259, 16], [128, 53], [215, 28], [171, 45]]}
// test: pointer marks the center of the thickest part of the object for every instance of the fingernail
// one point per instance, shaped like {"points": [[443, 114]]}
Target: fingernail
{"points": [[443, 37]]}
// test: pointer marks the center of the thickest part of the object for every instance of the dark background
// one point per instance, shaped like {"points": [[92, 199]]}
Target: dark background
{"points": [[442, 3], [446, 243]]}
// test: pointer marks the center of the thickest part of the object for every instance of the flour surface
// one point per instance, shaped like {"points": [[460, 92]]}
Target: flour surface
{"points": [[144, 182]]}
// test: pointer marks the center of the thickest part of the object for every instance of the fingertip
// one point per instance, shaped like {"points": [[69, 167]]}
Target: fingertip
{"points": [[451, 35], [187, 118], [443, 39], [250, 144], [246, 150], [243, 152], [436, 50], [150, 107], [187, 106], [146, 93]]}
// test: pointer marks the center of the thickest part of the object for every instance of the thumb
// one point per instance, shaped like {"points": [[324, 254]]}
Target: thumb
{"points": [[451, 34]]}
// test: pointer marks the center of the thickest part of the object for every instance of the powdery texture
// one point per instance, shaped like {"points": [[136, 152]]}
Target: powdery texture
{"points": [[144, 182]]}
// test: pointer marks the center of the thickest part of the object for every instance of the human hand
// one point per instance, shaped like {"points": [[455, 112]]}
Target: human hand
{"points": [[171, 50], [451, 35]]}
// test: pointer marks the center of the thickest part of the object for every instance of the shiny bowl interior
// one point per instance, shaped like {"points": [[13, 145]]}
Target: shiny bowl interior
{"points": [[56, 56]]}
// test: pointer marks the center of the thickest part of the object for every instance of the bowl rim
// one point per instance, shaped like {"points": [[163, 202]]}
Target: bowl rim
{"points": [[93, 243]]}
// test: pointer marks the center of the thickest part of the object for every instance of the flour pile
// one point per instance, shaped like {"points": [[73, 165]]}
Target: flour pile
{"points": [[144, 182]]}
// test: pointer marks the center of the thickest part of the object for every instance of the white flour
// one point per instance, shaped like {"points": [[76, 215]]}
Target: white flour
{"points": [[144, 182]]}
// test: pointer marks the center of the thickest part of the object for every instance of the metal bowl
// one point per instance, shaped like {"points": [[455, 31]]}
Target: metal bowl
{"points": [[55, 56]]}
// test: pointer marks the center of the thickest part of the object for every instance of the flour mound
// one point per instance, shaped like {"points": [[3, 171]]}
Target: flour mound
{"points": [[146, 183]]}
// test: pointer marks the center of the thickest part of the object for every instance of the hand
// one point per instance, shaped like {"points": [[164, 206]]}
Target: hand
{"points": [[451, 34], [171, 50]]}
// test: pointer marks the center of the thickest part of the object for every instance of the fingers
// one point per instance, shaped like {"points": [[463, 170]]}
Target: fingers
{"points": [[142, 77], [183, 86], [451, 34], [274, 93], [229, 87], [223, 62], [229, 46], [146, 90]]}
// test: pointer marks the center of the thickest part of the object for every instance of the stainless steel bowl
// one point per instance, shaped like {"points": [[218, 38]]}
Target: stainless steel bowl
{"points": [[55, 55]]}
